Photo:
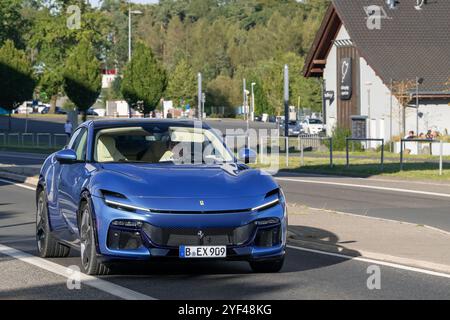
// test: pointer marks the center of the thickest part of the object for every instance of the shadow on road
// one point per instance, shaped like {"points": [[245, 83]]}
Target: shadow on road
{"points": [[316, 238]]}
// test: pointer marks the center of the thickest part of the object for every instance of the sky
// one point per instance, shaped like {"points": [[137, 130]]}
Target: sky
{"points": [[95, 2]]}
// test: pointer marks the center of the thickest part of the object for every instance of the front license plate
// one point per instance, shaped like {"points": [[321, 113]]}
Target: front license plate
{"points": [[191, 252]]}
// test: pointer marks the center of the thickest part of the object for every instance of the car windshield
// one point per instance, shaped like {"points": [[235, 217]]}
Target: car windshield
{"points": [[315, 121], [155, 144]]}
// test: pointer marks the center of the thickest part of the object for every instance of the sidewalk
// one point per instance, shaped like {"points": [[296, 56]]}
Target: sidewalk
{"points": [[392, 241]]}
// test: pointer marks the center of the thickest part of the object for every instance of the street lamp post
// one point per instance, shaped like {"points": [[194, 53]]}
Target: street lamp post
{"points": [[253, 101], [200, 95], [130, 12]]}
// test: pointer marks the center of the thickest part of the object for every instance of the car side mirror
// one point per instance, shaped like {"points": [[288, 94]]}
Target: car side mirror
{"points": [[66, 156], [247, 156]]}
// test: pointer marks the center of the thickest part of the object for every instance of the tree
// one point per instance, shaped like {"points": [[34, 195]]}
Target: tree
{"points": [[12, 22], [16, 80], [402, 92], [218, 95], [182, 84], [144, 80], [52, 40], [82, 76]]}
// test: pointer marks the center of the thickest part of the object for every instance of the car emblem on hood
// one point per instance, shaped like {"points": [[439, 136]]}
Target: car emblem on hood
{"points": [[202, 203], [200, 234]]}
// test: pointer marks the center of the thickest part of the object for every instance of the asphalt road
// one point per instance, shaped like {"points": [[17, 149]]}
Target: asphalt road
{"points": [[419, 203], [306, 275]]}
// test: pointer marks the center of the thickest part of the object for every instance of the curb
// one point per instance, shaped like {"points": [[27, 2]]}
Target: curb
{"points": [[447, 233]]}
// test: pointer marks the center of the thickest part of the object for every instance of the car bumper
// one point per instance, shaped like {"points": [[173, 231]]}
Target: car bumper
{"points": [[248, 249]]}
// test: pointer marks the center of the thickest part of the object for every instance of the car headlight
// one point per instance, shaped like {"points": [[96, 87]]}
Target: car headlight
{"points": [[125, 207], [272, 203], [266, 205]]}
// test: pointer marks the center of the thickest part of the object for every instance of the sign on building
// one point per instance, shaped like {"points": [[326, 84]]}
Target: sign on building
{"points": [[359, 127], [346, 86]]}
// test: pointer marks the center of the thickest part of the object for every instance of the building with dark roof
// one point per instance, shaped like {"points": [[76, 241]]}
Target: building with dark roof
{"points": [[371, 54]]}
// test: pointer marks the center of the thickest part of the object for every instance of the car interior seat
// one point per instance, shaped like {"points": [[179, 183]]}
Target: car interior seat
{"points": [[107, 151]]}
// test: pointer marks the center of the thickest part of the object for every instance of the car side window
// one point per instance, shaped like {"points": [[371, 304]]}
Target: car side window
{"points": [[74, 139], [79, 144]]}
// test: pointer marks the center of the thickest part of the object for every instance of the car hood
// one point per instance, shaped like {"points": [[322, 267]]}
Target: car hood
{"points": [[181, 188]]}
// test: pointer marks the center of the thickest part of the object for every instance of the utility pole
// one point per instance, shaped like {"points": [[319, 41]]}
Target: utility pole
{"points": [[286, 100]]}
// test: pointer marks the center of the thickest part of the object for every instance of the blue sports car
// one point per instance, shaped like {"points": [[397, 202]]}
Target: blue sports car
{"points": [[155, 189]]}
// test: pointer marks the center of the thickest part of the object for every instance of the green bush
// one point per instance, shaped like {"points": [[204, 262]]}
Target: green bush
{"points": [[340, 136]]}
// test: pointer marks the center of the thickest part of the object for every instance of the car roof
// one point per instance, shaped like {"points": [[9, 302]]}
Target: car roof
{"points": [[115, 123]]}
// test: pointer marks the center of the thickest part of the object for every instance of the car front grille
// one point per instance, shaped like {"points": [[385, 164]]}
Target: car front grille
{"points": [[174, 237]]}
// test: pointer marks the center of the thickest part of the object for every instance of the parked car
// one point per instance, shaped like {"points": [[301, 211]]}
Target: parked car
{"points": [[91, 112], [272, 119], [58, 110], [294, 128], [313, 126], [41, 108], [145, 198], [24, 109]]}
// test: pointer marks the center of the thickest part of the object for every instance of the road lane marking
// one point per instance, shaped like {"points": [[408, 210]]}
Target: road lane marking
{"points": [[102, 285], [340, 184], [20, 185], [373, 261]]}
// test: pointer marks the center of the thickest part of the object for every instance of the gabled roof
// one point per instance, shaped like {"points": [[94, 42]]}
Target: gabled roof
{"points": [[411, 43]]}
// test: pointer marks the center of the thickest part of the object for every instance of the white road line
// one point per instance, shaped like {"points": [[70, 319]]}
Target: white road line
{"points": [[20, 185], [105, 286], [434, 194], [376, 262]]}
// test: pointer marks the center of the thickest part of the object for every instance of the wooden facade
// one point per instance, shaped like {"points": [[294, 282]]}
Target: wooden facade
{"points": [[348, 108]]}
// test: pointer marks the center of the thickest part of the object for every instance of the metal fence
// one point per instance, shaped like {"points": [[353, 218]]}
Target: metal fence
{"points": [[430, 143], [33, 140], [347, 151]]}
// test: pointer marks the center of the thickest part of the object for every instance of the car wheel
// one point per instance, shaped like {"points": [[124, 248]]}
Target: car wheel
{"points": [[89, 260], [47, 245], [271, 266]]}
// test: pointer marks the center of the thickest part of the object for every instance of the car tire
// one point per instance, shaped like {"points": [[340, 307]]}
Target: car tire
{"points": [[90, 263], [47, 245], [270, 266]]}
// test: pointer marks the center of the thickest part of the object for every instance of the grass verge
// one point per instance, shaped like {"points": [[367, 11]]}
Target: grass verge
{"points": [[364, 168]]}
